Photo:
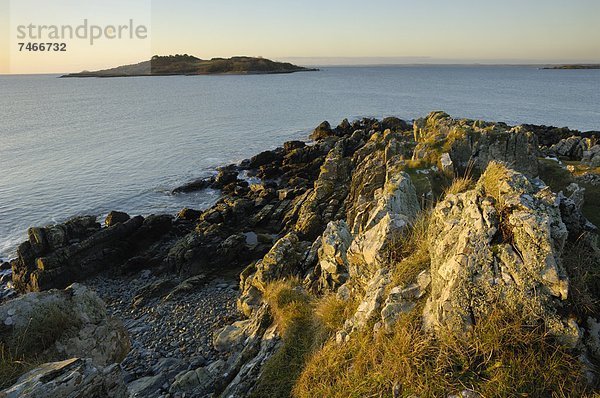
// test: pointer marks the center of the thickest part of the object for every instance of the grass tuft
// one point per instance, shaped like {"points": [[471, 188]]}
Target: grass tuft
{"points": [[409, 254], [583, 269], [305, 324], [22, 351], [459, 185], [292, 310]]}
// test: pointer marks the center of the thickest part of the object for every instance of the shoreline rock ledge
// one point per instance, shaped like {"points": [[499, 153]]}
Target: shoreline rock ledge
{"points": [[375, 231]]}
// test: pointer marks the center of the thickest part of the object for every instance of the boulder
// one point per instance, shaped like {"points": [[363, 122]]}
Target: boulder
{"points": [[591, 157], [571, 148], [225, 176], [395, 124], [344, 127], [322, 131], [284, 259], [71, 378], [61, 324], [289, 146], [268, 157], [196, 185], [115, 217], [189, 214]]}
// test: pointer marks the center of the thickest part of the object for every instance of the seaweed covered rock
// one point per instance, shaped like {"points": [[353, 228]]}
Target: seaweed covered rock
{"points": [[499, 244]]}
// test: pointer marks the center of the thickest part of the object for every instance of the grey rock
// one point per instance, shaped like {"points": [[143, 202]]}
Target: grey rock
{"points": [[91, 334], [72, 378], [473, 264]]}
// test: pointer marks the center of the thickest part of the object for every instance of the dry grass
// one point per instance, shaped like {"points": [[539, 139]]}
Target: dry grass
{"points": [[459, 185], [502, 357], [305, 324], [494, 173], [583, 269], [409, 254], [23, 351], [301, 335], [332, 311], [12, 367]]}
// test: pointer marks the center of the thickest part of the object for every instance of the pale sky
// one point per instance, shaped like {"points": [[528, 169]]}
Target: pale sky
{"points": [[316, 31]]}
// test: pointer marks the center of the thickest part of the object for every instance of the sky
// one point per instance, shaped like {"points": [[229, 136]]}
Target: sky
{"points": [[314, 31]]}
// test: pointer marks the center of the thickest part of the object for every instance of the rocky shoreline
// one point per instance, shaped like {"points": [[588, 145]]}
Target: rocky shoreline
{"points": [[193, 290]]}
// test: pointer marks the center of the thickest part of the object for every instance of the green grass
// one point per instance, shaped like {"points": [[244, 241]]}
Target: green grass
{"points": [[305, 324], [554, 175], [558, 178]]}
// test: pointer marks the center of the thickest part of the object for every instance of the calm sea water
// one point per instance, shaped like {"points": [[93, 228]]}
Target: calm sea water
{"points": [[88, 146]]}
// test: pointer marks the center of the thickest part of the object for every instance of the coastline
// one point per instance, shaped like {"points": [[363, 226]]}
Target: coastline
{"points": [[92, 74], [317, 218]]}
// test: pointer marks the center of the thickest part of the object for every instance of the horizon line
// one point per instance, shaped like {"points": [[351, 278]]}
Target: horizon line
{"points": [[412, 64]]}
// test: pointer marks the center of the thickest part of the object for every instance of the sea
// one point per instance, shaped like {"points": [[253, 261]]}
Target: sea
{"points": [[73, 147]]}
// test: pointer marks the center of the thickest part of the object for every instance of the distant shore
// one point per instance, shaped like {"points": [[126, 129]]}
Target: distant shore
{"points": [[575, 66], [187, 65]]}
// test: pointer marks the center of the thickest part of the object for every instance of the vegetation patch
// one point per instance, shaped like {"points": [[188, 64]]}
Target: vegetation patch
{"points": [[293, 311], [459, 185], [583, 268], [306, 323], [557, 177], [22, 351], [409, 255], [502, 357]]}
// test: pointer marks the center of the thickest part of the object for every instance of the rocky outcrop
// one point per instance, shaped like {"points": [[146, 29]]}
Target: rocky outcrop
{"points": [[323, 202], [548, 135], [395, 208], [591, 156], [333, 259], [332, 214], [61, 324], [499, 244], [287, 257], [323, 130], [472, 145], [59, 255], [571, 148], [72, 378]]}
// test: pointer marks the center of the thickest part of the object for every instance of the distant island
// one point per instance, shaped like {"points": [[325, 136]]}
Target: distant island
{"points": [[578, 66], [189, 65]]}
